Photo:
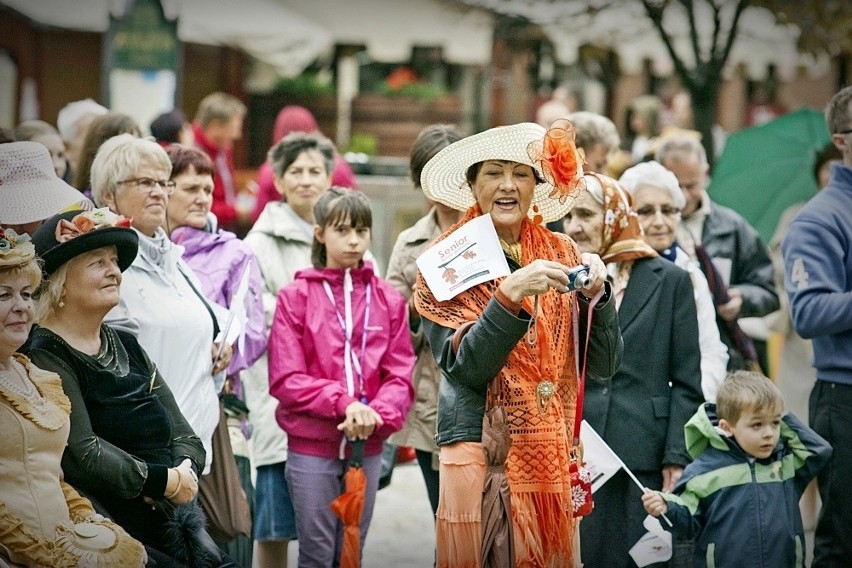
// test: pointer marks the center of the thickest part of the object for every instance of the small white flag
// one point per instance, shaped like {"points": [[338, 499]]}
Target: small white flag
{"points": [[601, 461], [654, 546], [239, 309]]}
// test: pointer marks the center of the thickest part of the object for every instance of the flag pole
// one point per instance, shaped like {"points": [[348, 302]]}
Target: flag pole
{"points": [[240, 293], [637, 482], [593, 436]]}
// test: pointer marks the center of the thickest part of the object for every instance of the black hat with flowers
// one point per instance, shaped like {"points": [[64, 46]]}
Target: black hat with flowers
{"points": [[70, 234]]}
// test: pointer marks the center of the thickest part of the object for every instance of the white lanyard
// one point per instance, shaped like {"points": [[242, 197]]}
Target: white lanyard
{"points": [[350, 359]]}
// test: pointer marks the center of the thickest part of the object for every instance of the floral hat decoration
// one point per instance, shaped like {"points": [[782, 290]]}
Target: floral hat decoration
{"points": [[15, 249], [560, 162], [72, 233], [551, 153]]}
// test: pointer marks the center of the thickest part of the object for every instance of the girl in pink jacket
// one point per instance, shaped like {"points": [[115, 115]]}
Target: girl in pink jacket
{"points": [[340, 364]]}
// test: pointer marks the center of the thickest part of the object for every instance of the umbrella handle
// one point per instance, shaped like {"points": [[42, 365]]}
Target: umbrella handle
{"points": [[357, 457]]}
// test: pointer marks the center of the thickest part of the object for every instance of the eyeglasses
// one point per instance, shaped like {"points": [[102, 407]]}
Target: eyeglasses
{"points": [[844, 132], [147, 185], [650, 211]]}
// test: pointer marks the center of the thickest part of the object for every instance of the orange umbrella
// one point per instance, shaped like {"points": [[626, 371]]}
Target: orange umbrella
{"points": [[349, 507]]}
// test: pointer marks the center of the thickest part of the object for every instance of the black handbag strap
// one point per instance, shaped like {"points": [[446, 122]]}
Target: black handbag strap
{"points": [[203, 301]]}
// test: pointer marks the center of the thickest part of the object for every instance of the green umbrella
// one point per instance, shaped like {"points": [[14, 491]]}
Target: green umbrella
{"points": [[765, 169]]}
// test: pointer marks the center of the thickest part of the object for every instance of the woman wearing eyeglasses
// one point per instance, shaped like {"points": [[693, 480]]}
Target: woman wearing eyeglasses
{"points": [[161, 298], [658, 200]]}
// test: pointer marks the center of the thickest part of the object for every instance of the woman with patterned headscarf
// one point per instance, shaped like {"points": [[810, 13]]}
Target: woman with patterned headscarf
{"points": [[641, 414]]}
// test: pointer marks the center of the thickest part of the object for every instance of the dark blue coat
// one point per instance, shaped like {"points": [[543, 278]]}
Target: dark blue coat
{"points": [[742, 511]]}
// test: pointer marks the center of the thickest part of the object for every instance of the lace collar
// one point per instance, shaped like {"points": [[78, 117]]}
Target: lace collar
{"points": [[46, 404]]}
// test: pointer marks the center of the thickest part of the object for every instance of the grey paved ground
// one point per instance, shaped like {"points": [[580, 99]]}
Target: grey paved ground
{"points": [[402, 533]]}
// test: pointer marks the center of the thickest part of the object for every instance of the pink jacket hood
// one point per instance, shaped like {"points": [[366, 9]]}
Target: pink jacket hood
{"points": [[307, 371]]}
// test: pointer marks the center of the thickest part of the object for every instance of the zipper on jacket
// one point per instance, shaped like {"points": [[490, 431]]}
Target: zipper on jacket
{"points": [[756, 498]]}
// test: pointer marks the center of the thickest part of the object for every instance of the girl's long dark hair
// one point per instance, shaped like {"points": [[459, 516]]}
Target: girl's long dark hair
{"points": [[335, 205]]}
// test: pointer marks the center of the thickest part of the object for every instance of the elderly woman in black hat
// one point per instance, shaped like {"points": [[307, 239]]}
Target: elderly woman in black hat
{"points": [[162, 303], [130, 448], [43, 520]]}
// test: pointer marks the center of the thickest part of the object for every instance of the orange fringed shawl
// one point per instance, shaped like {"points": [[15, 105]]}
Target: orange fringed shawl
{"points": [[537, 466]]}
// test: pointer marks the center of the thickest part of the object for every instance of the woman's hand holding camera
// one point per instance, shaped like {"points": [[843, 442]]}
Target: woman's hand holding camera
{"points": [[535, 278], [597, 273], [541, 275]]}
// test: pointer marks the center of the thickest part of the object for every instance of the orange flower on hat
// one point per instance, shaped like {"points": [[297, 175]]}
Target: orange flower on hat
{"points": [[83, 223], [560, 161], [89, 221], [66, 230]]}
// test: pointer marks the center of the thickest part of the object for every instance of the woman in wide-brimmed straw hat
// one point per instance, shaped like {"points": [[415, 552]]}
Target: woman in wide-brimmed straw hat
{"points": [[523, 176], [30, 190], [43, 520], [130, 448]]}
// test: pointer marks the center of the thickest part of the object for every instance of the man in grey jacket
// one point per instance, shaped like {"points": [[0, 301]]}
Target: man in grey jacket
{"points": [[737, 252]]}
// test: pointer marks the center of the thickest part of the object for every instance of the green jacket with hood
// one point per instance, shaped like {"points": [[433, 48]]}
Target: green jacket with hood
{"points": [[743, 511]]}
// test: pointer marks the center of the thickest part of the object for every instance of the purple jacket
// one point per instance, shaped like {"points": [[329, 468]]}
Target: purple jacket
{"points": [[219, 259], [306, 359]]}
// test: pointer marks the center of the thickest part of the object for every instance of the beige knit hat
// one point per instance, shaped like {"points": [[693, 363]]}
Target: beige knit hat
{"points": [[30, 191], [444, 176]]}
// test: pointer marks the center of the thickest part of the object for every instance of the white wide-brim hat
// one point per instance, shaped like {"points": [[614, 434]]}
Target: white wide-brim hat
{"points": [[30, 191], [444, 176]]}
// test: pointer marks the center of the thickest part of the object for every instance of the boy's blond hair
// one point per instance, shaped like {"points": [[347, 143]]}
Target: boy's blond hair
{"points": [[742, 391]]}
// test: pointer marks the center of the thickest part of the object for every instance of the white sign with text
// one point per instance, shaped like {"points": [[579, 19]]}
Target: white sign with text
{"points": [[469, 256]]}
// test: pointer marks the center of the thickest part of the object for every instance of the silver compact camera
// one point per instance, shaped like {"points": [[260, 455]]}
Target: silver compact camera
{"points": [[578, 277]]}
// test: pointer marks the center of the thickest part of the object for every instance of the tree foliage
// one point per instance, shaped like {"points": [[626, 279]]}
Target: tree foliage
{"points": [[703, 78], [826, 25], [825, 28]]}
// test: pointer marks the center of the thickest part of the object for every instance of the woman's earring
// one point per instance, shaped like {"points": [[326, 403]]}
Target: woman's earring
{"points": [[61, 304]]}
